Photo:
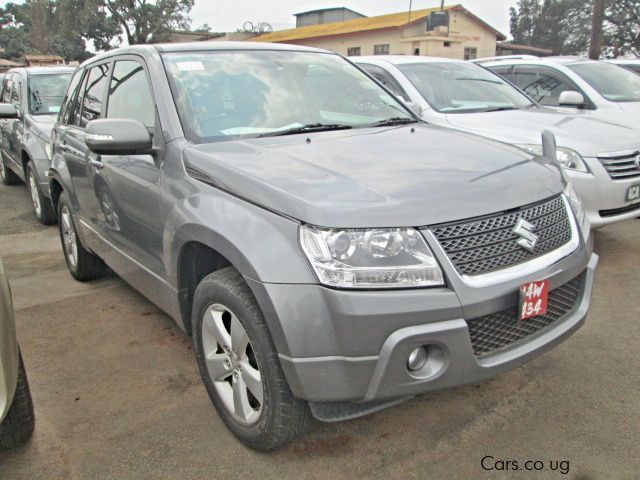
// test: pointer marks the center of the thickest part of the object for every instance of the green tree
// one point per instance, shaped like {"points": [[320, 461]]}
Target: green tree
{"points": [[143, 21], [622, 28], [559, 25]]}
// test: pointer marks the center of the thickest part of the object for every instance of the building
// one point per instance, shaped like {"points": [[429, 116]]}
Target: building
{"points": [[325, 15], [454, 32], [43, 60], [183, 36], [510, 48], [8, 65]]}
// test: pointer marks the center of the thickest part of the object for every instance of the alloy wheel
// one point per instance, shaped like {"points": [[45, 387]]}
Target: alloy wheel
{"points": [[35, 197], [69, 236], [231, 364]]}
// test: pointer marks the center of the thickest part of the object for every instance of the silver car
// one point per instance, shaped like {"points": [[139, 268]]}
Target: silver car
{"points": [[592, 88], [600, 158], [16, 409]]}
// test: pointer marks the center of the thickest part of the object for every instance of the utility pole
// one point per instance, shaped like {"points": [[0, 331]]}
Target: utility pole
{"points": [[595, 49], [410, 2]]}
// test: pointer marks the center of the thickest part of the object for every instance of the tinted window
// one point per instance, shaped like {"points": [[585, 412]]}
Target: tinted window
{"points": [[16, 91], [504, 72], [6, 89], [614, 83], [386, 79], [543, 84], [67, 103], [93, 95], [74, 117], [130, 95], [456, 87], [46, 92]]}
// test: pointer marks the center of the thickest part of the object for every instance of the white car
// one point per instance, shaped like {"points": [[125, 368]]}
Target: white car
{"points": [[629, 64], [600, 158], [595, 88]]}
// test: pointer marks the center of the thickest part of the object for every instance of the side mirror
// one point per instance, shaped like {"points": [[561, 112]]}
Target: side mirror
{"points": [[571, 98], [118, 137], [7, 111]]}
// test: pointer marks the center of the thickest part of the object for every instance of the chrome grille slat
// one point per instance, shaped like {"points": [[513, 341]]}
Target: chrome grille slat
{"points": [[488, 243], [501, 330], [621, 167]]}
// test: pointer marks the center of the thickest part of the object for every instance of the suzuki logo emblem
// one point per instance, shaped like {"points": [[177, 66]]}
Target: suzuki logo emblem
{"points": [[525, 230]]}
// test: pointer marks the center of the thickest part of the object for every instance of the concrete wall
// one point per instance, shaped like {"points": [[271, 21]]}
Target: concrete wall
{"points": [[464, 32]]}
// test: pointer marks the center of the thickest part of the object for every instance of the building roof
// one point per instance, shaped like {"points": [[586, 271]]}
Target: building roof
{"points": [[9, 63], [43, 58], [317, 10], [524, 48], [367, 24]]}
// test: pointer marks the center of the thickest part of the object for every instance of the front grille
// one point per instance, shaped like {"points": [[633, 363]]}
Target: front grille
{"points": [[621, 167], [500, 330], [484, 244]]}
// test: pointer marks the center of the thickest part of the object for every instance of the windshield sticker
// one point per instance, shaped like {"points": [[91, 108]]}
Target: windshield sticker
{"points": [[195, 66]]}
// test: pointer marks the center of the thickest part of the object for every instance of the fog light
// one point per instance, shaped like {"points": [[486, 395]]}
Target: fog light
{"points": [[417, 359]]}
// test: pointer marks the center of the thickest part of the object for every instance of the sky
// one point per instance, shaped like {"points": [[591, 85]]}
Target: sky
{"points": [[226, 15]]}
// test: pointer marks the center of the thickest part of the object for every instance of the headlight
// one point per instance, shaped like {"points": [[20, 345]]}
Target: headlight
{"points": [[567, 158], [578, 209], [48, 149], [377, 258]]}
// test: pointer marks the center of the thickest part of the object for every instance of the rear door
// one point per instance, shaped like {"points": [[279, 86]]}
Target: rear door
{"points": [[5, 144], [14, 129], [79, 160]]}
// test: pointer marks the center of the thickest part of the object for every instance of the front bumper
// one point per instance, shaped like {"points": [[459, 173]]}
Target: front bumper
{"points": [[604, 199], [352, 346]]}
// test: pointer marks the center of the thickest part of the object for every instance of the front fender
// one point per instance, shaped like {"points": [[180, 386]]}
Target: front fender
{"points": [[58, 172], [34, 147], [260, 244]]}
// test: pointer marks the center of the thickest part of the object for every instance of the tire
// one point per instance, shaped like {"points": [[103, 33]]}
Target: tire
{"points": [[42, 206], [82, 264], [17, 426], [7, 176], [224, 299]]}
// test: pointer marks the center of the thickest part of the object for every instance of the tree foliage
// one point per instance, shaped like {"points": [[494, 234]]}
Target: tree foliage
{"points": [[558, 25], [64, 27], [622, 28]]}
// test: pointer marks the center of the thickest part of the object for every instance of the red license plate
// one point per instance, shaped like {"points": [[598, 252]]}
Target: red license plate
{"points": [[533, 299]]}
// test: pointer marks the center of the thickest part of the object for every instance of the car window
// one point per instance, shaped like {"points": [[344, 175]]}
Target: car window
{"points": [[16, 91], [67, 104], [46, 92], [6, 89], [386, 79], [94, 94], [456, 87], [504, 71], [614, 83], [130, 94], [227, 95], [543, 84]]}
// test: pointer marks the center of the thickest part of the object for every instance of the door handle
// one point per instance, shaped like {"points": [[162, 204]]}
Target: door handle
{"points": [[96, 163]]}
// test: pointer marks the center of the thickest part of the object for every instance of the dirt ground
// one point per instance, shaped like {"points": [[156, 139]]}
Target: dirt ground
{"points": [[118, 396]]}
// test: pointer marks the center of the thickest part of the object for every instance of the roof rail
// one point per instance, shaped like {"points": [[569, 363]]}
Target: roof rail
{"points": [[505, 57]]}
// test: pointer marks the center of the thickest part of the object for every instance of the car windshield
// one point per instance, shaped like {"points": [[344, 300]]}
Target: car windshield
{"points": [[46, 92], [463, 87], [614, 83], [226, 95]]}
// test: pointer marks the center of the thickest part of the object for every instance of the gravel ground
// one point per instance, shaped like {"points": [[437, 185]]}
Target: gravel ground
{"points": [[118, 396]]}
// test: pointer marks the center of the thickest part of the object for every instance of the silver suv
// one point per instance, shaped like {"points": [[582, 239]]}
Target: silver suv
{"points": [[329, 252], [31, 99]]}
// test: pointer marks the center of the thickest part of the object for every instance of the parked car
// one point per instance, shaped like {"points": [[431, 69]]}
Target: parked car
{"points": [[17, 420], [598, 157], [329, 252], [629, 64], [594, 88], [31, 99]]}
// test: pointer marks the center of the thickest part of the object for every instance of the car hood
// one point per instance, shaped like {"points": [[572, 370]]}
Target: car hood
{"points": [[382, 177], [42, 125], [585, 134]]}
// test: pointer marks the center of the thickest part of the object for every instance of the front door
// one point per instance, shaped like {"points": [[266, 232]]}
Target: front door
{"points": [[127, 187]]}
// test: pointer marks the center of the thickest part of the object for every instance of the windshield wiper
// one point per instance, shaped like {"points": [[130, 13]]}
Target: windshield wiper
{"points": [[393, 121], [499, 109], [311, 127]]}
